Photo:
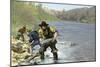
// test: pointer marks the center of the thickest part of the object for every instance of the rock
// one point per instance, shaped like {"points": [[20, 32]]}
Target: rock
{"points": [[19, 51]]}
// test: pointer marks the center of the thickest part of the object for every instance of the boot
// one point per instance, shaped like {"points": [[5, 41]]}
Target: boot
{"points": [[55, 55], [42, 56]]}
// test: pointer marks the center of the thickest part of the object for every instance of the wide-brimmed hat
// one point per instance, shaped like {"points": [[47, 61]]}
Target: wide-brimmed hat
{"points": [[43, 23]]}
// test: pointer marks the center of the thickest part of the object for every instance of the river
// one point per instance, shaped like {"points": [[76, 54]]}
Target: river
{"points": [[76, 43]]}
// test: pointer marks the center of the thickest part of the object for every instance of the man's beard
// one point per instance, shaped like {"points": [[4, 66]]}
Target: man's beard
{"points": [[44, 29]]}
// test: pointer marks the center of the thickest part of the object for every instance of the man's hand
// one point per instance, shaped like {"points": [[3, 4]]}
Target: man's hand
{"points": [[53, 40]]}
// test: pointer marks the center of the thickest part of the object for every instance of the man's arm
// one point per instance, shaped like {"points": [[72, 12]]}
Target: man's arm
{"points": [[55, 35], [53, 29]]}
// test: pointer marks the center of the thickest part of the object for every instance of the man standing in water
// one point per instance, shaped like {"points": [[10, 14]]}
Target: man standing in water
{"points": [[48, 35]]}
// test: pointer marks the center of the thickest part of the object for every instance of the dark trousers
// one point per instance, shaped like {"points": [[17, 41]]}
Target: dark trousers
{"points": [[50, 44]]}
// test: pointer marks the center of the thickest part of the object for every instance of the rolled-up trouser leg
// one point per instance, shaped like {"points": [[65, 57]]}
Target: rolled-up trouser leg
{"points": [[54, 50]]}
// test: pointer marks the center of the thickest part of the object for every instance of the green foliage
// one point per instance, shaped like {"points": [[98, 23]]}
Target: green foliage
{"points": [[27, 13]]}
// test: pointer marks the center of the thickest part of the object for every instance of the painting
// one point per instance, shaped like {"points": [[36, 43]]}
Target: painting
{"points": [[52, 33]]}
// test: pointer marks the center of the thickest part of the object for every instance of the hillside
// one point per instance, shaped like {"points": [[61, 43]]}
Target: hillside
{"points": [[27, 13], [85, 15], [30, 14]]}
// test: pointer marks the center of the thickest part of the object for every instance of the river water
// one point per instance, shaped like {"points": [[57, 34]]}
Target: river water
{"points": [[76, 43]]}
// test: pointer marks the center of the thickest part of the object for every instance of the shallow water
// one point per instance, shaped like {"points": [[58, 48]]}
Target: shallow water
{"points": [[76, 42]]}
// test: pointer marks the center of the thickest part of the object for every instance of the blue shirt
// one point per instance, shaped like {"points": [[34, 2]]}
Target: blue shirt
{"points": [[34, 36]]}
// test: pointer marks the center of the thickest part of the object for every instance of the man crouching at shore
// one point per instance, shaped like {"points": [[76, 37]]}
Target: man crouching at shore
{"points": [[48, 35]]}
